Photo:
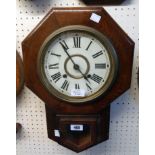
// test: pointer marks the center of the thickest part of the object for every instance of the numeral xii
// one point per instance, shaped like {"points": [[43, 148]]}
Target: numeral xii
{"points": [[77, 42]]}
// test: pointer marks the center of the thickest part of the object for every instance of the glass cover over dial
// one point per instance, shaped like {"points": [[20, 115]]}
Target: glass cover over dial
{"points": [[77, 64]]}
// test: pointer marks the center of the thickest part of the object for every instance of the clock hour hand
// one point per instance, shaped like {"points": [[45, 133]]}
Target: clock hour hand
{"points": [[76, 66]]}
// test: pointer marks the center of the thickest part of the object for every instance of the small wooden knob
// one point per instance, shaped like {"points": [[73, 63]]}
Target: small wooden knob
{"points": [[19, 74]]}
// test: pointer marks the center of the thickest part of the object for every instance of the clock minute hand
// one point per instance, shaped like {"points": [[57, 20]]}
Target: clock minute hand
{"points": [[64, 48], [76, 67]]}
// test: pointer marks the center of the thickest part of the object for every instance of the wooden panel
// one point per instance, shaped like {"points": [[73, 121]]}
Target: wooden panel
{"points": [[96, 132]]}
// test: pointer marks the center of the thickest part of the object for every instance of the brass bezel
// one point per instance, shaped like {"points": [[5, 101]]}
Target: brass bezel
{"points": [[112, 56]]}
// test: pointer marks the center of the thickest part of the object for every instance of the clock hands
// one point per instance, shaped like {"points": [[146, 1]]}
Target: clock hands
{"points": [[76, 66], [65, 49]]}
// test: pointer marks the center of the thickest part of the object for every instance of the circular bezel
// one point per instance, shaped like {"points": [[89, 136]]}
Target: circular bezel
{"points": [[67, 72], [112, 57]]}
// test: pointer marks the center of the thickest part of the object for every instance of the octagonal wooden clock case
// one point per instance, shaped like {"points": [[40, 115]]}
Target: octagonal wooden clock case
{"points": [[78, 60]]}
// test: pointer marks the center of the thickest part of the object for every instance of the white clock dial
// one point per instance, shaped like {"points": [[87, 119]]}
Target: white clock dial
{"points": [[76, 65]]}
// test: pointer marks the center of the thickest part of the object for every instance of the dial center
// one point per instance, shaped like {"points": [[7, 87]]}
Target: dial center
{"points": [[81, 66], [76, 67]]}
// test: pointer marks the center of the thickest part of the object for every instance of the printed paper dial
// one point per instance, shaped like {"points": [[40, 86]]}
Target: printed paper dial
{"points": [[76, 65]]}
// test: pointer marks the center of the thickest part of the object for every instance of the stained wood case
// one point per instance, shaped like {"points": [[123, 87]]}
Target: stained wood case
{"points": [[92, 117]]}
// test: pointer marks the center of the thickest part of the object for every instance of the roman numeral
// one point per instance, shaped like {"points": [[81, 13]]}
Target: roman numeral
{"points": [[96, 78], [64, 45], [97, 54], [56, 77], [77, 42], [56, 54], [88, 87], [77, 86], [65, 85], [88, 46], [54, 66], [100, 66]]}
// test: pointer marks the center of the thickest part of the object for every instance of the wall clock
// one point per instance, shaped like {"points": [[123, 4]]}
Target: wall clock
{"points": [[78, 66], [106, 2]]}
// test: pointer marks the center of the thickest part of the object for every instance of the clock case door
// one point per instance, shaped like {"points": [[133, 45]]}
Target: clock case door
{"points": [[95, 128], [94, 115]]}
